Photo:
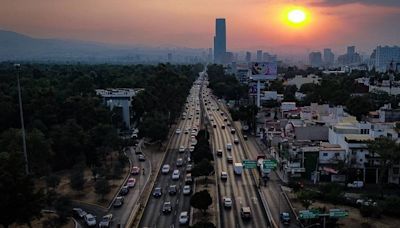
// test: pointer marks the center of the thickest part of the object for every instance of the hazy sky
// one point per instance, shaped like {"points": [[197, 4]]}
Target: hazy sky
{"points": [[251, 24]]}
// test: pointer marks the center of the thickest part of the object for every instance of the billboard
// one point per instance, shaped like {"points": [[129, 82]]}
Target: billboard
{"points": [[263, 70]]}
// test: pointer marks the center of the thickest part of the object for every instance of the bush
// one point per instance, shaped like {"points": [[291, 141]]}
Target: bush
{"points": [[370, 211], [391, 206]]}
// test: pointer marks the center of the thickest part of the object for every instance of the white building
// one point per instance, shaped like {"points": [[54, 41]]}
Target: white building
{"points": [[122, 98]]}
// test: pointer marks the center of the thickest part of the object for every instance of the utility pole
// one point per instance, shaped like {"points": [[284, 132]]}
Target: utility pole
{"points": [[21, 114]]}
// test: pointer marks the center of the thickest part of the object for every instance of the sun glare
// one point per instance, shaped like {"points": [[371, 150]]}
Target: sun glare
{"points": [[296, 16]]}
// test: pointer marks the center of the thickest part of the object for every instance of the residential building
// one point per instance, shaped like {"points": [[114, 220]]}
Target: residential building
{"points": [[385, 58], [259, 55], [248, 56], [350, 58]]}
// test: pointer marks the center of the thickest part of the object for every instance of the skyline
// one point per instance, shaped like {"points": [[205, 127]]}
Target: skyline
{"points": [[365, 25]]}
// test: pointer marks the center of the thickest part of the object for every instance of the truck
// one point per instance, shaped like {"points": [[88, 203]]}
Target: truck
{"points": [[238, 168], [262, 171]]}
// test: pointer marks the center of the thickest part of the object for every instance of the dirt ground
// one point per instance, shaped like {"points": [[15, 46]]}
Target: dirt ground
{"points": [[354, 220], [212, 210], [88, 194]]}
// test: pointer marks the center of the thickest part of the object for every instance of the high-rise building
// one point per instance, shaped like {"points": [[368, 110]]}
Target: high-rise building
{"points": [[169, 57], [210, 55], [315, 59], [350, 58], [259, 55], [329, 57], [385, 58], [248, 56], [220, 40]]}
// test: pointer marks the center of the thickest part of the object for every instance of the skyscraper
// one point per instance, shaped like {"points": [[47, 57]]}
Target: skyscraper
{"points": [[259, 55], [315, 59], [329, 57], [220, 40], [248, 56]]}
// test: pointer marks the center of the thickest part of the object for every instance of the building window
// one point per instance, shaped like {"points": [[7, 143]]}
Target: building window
{"points": [[396, 171], [337, 154], [325, 154]]}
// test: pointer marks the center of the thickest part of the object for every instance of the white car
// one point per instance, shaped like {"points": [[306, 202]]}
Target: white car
{"points": [[90, 220], [165, 169], [131, 182], [175, 175], [224, 175], [182, 149], [183, 217], [191, 148], [227, 202], [178, 131], [186, 189], [229, 146]]}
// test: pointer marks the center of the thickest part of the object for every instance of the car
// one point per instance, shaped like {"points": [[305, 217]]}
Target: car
{"points": [[225, 119], [356, 184], [79, 212], [175, 175], [178, 131], [224, 176], [245, 212], [189, 168], [90, 220], [222, 113], [131, 182], [179, 162], [236, 141], [188, 179], [245, 137], [223, 126], [229, 159], [135, 170], [233, 131], [228, 124], [106, 221], [172, 190], [187, 190], [182, 149], [118, 201], [124, 191], [186, 132], [214, 126], [191, 148], [167, 207], [227, 202], [165, 169], [157, 192], [219, 152], [229, 146], [285, 218], [184, 218], [141, 157]]}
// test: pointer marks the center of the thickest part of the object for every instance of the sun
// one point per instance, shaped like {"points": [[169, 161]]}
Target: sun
{"points": [[296, 16]]}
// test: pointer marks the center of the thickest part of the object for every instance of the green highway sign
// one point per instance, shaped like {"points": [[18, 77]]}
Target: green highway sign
{"points": [[249, 164], [307, 214], [338, 213], [269, 164]]}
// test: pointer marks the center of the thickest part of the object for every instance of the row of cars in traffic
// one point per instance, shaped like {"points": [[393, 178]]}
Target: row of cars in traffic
{"points": [[90, 219]]}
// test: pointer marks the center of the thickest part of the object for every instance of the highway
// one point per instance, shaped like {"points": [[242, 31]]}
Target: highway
{"points": [[153, 216], [241, 189]]}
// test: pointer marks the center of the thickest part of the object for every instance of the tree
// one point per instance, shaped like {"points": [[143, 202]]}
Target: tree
{"points": [[290, 92], [20, 202], [203, 168], [201, 200], [76, 179], [52, 181], [358, 106], [389, 153], [102, 187], [306, 198]]}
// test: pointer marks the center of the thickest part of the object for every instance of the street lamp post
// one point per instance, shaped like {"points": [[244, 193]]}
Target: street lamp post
{"points": [[21, 114]]}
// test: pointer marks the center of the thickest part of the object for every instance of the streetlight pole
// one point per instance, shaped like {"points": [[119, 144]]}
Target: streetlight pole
{"points": [[21, 114]]}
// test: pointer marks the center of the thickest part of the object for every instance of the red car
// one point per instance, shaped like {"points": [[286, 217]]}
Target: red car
{"points": [[135, 170]]}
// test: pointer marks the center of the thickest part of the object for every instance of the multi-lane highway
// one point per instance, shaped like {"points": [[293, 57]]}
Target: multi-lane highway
{"points": [[187, 126], [241, 189]]}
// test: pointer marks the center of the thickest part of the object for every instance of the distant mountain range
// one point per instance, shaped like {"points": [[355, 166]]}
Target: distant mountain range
{"points": [[15, 46]]}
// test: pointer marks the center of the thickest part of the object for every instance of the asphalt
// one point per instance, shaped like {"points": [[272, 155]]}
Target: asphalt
{"points": [[241, 189], [153, 216]]}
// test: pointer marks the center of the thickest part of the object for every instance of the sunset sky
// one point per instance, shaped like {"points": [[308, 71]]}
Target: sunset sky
{"points": [[251, 24]]}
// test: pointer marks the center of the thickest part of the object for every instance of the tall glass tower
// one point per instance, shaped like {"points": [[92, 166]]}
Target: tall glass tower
{"points": [[220, 40]]}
